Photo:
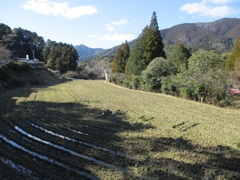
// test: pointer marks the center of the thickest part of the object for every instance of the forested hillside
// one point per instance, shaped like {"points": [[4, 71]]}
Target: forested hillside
{"points": [[188, 66], [22, 43], [218, 35]]}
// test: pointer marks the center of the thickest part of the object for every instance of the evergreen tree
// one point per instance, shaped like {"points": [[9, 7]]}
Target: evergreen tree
{"points": [[62, 57], [178, 57], [121, 58], [234, 56], [154, 45], [136, 62], [149, 45]]}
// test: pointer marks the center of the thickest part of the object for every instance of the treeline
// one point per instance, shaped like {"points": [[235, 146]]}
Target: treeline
{"points": [[18, 42], [201, 75]]}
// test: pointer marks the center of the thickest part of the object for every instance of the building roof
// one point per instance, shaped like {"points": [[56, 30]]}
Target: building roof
{"points": [[233, 91]]}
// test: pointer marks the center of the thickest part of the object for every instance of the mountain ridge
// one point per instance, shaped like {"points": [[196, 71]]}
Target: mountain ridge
{"points": [[86, 52], [218, 35]]}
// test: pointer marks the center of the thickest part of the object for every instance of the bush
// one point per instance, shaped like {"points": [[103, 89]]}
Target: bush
{"points": [[70, 74], [19, 66], [168, 86], [117, 78], [186, 93], [4, 72], [135, 82]]}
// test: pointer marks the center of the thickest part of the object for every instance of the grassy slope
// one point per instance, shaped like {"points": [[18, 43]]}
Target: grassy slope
{"points": [[169, 134], [170, 116]]}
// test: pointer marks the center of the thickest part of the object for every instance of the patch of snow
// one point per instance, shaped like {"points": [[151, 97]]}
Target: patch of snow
{"points": [[79, 132], [81, 142], [126, 171]]}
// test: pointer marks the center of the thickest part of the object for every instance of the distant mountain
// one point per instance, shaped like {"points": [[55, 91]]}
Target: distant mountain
{"points": [[85, 52], [219, 35]]}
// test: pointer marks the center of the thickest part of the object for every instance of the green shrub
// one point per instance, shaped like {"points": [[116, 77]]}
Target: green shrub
{"points": [[168, 86], [70, 74], [19, 66], [118, 78], [135, 82], [4, 72], [186, 93]]}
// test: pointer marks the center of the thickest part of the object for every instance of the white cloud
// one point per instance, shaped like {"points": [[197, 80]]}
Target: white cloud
{"points": [[112, 26], [113, 37], [47, 7], [211, 8], [119, 23], [109, 27], [218, 1]]}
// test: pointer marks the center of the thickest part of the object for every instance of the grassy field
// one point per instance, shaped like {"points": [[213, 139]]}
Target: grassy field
{"points": [[96, 130]]}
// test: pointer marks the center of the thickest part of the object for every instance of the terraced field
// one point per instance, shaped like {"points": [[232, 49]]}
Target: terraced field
{"points": [[96, 130]]}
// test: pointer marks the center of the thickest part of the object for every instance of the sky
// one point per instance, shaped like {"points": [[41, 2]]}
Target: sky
{"points": [[107, 23]]}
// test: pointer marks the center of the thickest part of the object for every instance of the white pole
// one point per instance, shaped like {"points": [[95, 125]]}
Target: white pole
{"points": [[106, 75]]}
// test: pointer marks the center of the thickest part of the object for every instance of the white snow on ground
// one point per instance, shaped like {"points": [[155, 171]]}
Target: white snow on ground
{"points": [[44, 157], [25, 171], [81, 142], [126, 171], [79, 132]]}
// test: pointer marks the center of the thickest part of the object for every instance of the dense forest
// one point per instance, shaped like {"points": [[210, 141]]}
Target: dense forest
{"points": [[200, 75], [18, 43]]}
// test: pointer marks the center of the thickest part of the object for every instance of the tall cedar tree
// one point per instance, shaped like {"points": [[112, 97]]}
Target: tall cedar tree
{"points": [[154, 45], [148, 46], [234, 57], [136, 62], [121, 58]]}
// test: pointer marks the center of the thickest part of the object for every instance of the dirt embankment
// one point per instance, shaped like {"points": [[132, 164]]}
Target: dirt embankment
{"points": [[28, 77]]}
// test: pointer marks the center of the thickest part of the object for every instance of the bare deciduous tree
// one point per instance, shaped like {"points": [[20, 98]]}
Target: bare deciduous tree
{"points": [[4, 54]]}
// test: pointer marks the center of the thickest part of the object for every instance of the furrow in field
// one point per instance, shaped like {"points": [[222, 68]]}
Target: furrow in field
{"points": [[48, 153], [103, 149], [86, 126], [112, 162], [27, 172], [114, 167], [45, 158], [82, 142], [37, 151]]}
